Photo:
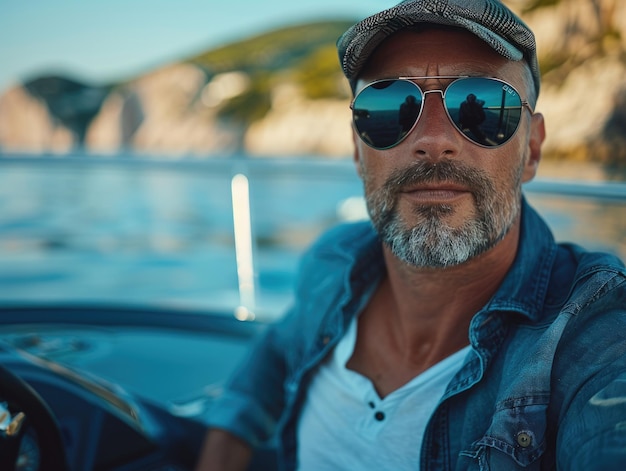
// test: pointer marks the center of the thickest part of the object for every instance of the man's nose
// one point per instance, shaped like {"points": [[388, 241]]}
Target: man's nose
{"points": [[434, 136]]}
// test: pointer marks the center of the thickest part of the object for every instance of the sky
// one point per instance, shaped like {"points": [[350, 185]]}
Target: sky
{"points": [[100, 41]]}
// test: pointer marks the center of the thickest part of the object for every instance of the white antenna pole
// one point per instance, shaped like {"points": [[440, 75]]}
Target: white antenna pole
{"points": [[240, 190]]}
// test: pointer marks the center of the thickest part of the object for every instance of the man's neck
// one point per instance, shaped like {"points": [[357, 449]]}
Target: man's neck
{"points": [[440, 302], [417, 317]]}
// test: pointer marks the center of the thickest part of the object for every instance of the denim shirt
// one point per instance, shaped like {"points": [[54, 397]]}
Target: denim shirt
{"points": [[543, 386]]}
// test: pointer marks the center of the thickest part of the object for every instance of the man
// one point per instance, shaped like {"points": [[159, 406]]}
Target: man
{"points": [[471, 116], [451, 332]]}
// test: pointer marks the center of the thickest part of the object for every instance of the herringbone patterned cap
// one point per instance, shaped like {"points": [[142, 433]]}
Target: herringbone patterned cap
{"points": [[490, 20]]}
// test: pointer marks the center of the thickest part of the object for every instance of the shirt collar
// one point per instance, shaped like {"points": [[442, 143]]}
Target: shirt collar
{"points": [[525, 286]]}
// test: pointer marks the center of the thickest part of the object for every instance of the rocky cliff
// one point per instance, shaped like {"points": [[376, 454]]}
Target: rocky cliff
{"points": [[582, 46], [283, 94]]}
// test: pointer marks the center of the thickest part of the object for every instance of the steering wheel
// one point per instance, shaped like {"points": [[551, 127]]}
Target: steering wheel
{"points": [[23, 398]]}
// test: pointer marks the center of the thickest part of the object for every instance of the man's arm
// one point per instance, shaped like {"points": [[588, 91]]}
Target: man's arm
{"points": [[223, 451], [600, 422], [591, 381]]}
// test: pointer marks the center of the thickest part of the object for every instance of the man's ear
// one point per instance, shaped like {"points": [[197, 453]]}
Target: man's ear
{"points": [[537, 136]]}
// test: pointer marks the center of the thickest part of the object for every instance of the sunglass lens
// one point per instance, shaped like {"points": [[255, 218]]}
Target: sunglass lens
{"points": [[384, 112], [487, 111]]}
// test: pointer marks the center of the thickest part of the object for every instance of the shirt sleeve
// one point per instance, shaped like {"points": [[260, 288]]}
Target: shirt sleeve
{"points": [[594, 433], [591, 434], [253, 398]]}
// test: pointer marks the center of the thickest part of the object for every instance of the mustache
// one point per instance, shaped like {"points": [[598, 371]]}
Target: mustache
{"points": [[442, 171]]}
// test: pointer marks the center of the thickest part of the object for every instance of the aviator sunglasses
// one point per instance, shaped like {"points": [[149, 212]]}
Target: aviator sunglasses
{"points": [[487, 111]]}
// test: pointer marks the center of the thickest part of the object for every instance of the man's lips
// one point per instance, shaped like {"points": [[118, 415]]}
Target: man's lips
{"points": [[436, 192]]}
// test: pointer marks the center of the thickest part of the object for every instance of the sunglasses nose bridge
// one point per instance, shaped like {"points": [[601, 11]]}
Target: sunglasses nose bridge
{"points": [[434, 136], [436, 116]]}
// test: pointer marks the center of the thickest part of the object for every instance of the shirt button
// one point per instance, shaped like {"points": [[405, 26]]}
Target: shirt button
{"points": [[326, 339], [524, 439], [380, 416]]}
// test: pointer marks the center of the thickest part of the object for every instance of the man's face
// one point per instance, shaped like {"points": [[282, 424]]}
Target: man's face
{"points": [[436, 198]]}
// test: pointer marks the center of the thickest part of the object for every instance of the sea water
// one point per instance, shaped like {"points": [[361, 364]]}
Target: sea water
{"points": [[127, 230]]}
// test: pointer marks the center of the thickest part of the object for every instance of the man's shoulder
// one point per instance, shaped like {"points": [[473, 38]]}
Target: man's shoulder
{"points": [[324, 280], [590, 355], [591, 270], [580, 276], [589, 259]]}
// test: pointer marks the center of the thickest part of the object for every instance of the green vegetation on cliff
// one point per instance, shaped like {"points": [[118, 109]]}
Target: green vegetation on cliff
{"points": [[304, 54]]}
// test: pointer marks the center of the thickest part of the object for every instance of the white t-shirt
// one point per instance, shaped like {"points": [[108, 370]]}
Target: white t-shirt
{"points": [[345, 425]]}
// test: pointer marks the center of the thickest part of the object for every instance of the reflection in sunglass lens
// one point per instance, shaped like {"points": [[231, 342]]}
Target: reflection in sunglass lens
{"points": [[487, 111], [384, 112]]}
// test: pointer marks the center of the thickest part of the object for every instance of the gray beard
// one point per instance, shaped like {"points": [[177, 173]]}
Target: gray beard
{"points": [[433, 243]]}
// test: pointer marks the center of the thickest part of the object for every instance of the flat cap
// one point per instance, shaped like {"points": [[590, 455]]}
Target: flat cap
{"points": [[490, 20]]}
